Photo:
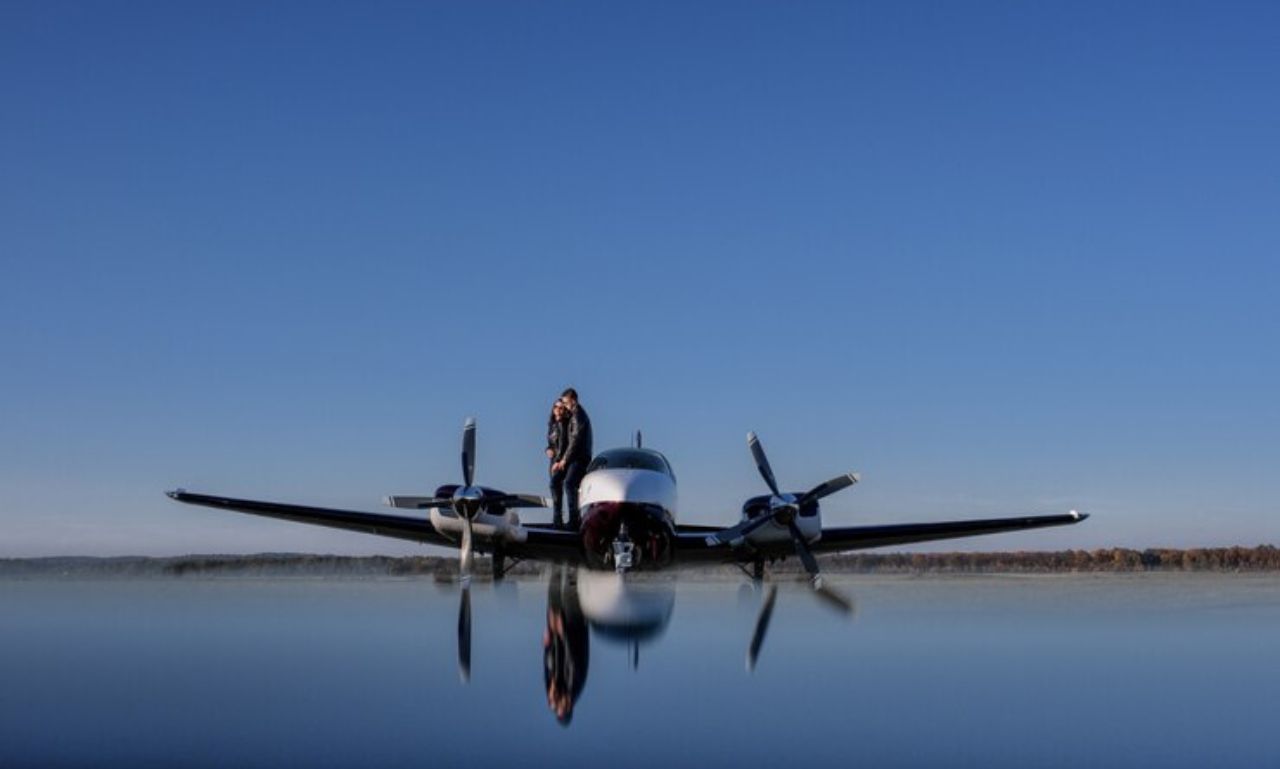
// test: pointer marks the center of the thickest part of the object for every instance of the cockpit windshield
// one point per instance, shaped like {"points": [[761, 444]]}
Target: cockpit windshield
{"points": [[632, 459]]}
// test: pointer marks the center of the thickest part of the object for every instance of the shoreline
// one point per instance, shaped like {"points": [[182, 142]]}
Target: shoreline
{"points": [[1264, 559]]}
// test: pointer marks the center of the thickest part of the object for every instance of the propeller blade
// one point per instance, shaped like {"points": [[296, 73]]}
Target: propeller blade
{"points": [[827, 488], [834, 598], [469, 451], [464, 608], [762, 627], [802, 550], [762, 463], [464, 560], [464, 634], [823, 591], [746, 528], [735, 533]]}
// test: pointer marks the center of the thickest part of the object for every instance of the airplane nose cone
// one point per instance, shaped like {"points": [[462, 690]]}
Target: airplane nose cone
{"points": [[626, 485]]}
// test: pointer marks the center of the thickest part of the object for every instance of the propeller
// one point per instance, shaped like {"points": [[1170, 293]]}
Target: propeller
{"points": [[467, 502], [783, 509]]}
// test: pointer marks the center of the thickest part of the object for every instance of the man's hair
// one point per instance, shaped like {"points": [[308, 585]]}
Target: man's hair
{"points": [[569, 392]]}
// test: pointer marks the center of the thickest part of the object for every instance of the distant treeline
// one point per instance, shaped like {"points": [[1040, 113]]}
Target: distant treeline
{"points": [[260, 564], [1116, 559], [1108, 560]]}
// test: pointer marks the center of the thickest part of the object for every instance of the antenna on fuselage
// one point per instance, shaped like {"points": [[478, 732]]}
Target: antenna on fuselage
{"points": [[639, 443]]}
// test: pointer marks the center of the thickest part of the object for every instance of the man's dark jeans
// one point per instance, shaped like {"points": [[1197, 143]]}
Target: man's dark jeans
{"points": [[573, 473]]}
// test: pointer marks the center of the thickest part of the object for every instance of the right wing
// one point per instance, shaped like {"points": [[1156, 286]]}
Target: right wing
{"points": [[864, 537], [709, 544]]}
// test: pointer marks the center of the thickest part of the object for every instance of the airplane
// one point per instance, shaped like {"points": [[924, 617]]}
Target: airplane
{"points": [[628, 524]]}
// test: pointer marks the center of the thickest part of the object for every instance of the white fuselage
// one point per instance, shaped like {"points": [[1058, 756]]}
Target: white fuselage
{"points": [[633, 485]]}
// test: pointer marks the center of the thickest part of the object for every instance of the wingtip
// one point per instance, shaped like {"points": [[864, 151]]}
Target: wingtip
{"points": [[1079, 516], [175, 493], [752, 437]]}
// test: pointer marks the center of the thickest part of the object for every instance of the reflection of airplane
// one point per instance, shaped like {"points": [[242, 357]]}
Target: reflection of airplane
{"points": [[615, 608], [628, 499]]}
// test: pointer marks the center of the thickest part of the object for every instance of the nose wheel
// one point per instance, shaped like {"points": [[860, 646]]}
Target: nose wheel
{"points": [[623, 551]]}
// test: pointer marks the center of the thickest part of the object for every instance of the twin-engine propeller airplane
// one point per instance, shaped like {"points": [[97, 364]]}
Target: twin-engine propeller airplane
{"points": [[628, 523]]}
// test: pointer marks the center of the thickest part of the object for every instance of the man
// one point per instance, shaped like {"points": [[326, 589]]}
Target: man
{"points": [[577, 452]]}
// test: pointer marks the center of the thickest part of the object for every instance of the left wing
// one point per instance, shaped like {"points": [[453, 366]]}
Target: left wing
{"points": [[543, 542], [400, 527], [698, 543]]}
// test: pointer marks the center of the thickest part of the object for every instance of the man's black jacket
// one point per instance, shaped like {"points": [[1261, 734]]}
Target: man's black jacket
{"points": [[579, 437]]}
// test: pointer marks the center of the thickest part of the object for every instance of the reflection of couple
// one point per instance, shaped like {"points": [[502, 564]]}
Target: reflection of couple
{"points": [[565, 646], [569, 449]]}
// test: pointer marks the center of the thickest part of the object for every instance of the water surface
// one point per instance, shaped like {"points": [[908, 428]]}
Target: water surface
{"points": [[1170, 670]]}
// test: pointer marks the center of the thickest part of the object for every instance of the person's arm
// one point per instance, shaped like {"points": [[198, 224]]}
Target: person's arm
{"points": [[574, 438]]}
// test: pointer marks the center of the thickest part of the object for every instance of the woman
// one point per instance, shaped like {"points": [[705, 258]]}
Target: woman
{"points": [[557, 441]]}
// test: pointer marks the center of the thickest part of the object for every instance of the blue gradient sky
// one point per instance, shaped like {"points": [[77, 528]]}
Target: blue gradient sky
{"points": [[1001, 258]]}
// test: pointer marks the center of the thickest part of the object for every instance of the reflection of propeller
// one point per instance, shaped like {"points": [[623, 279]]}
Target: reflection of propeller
{"points": [[766, 614], [783, 509], [467, 503], [762, 627], [464, 630]]}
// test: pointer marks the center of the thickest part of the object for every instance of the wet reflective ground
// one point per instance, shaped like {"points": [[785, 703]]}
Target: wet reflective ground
{"points": [[1169, 670]]}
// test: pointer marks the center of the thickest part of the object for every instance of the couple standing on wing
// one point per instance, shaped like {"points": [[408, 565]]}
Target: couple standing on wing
{"points": [[569, 449]]}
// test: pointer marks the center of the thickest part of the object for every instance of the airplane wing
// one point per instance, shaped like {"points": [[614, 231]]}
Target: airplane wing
{"points": [[837, 540], [400, 527], [547, 543], [544, 541], [696, 544]]}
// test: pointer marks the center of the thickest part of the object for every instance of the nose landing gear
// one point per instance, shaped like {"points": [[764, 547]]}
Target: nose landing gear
{"points": [[624, 551]]}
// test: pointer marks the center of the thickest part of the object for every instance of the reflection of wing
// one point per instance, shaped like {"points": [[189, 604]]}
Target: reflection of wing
{"points": [[695, 543], [400, 527], [543, 543]]}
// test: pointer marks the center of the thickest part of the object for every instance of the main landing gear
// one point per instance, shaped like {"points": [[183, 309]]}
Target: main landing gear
{"points": [[501, 564]]}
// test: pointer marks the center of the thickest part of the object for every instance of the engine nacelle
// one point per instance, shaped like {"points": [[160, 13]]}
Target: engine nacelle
{"points": [[808, 520]]}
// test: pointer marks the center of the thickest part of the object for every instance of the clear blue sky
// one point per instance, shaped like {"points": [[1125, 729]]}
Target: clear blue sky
{"points": [[1002, 258]]}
